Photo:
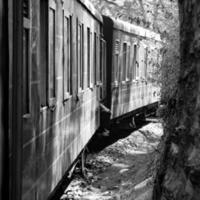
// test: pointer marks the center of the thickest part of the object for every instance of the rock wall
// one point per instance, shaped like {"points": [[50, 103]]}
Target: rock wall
{"points": [[178, 175]]}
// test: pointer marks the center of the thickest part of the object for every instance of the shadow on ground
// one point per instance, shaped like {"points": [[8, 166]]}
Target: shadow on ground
{"points": [[105, 137], [124, 169]]}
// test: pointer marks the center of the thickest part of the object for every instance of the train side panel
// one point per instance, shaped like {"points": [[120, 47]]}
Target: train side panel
{"points": [[2, 130], [131, 83], [60, 93], [4, 173], [132, 52]]}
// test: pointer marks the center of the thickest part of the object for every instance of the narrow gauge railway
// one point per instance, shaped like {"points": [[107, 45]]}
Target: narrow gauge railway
{"points": [[60, 60]]}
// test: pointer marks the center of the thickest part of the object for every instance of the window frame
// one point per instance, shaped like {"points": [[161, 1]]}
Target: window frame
{"points": [[95, 58], [102, 61], [80, 55], [103, 69], [88, 57], [134, 61], [91, 62], [27, 80], [51, 100], [44, 49], [124, 62], [116, 62], [128, 62], [137, 63], [67, 55], [142, 61], [146, 63], [98, 39]]}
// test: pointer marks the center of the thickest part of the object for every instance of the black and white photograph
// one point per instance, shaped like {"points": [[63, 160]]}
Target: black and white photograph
{"points": [[99, 100]]}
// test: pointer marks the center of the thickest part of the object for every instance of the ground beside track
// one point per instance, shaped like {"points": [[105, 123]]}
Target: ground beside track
{"points": [[124, 170]]}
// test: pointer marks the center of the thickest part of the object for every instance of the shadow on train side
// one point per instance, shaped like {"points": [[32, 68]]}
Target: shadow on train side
{"points": [[110, 134], [64, 142]]}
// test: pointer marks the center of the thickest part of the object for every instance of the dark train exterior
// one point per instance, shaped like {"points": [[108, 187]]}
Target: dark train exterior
{"points": [[56, 70], [3, 101], [55, 50], [131, 53]]}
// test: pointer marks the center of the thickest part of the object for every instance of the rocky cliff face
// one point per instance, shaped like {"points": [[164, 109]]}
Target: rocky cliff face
{"points": [[179, 172]]}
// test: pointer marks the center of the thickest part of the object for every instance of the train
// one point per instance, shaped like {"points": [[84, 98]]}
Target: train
{"points": [[60, 62]]}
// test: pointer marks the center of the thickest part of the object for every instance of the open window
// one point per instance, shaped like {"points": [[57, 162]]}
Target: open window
{"points": [[26, 92], [67, 67]]}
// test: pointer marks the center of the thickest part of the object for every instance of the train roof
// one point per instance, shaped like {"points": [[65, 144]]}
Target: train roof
{"points": [[134, 29], [90, 7]]}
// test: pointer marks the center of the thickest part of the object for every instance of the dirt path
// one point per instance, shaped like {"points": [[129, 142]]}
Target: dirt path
{"points": [[124, 170]]}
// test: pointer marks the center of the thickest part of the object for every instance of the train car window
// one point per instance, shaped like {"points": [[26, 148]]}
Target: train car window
{"points": [[124, 62], [95, 58], [67, 68], [101, 61], [51, 67], [78, 49], [91, 61], [103, 69], [88, 58], [128, 74], [98, 60], [43, 52], [137, 66], [77, 53], [134, 62], [142, 61], [80, 59], [26, 57], [145, 64], [116, 61], [26, 9]]}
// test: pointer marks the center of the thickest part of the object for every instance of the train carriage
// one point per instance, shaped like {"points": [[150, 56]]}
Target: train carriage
{"points": [[131, 52], [56, 53], [3, 101]]}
